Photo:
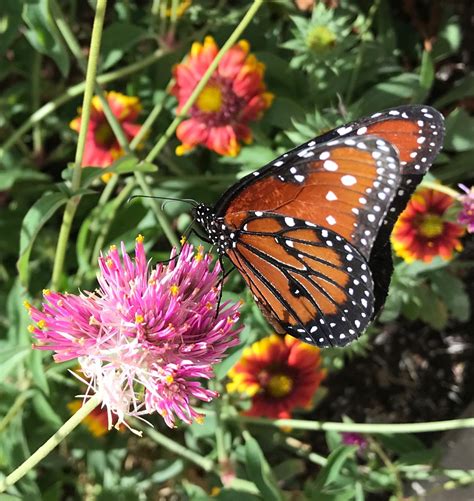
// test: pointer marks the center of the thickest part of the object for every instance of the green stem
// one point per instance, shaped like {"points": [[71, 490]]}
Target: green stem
{"points": [[14, 409], [73, 202], [119, 134], [441, 188], [202, 83], [146, 126], [105, 224], [35, 101], [300, 424], [75, 91], [159, 215], [360, 55], [50, 444], [222, 456], [304, 450], [176, 448], [374, 445], [75, 48]]}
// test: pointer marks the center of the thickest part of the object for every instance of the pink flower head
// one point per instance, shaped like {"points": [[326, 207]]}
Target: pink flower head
{"points": [[349, 438], [146, 336], [234, 96], [466, 216]]}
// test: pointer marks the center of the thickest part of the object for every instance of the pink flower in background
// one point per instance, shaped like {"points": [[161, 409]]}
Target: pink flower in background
{"points": [[349, 438], [146, 336], [466, 216]]}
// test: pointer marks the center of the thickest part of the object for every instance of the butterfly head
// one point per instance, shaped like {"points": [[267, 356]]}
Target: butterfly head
{"points": [[216, 231]]}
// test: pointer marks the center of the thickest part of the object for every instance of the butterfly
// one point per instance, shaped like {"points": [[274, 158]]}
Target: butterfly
{"points": [[310, 231]]}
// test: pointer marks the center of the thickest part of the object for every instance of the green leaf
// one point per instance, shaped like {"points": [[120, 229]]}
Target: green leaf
{"points": [[289, 469], [389, 93], [10, 19], [453, 292], [117, 39], [46, 411], [44, 35], [427, 75], [37, 371], [11, 358], [332, 470], [258, 470], [460, 89], [166, 469], [40, 212], [401, 443], [127, 164], [459, 131], [9, 177]]}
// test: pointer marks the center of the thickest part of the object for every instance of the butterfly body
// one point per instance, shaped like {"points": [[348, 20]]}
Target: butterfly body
{"points": [[309, 232]]}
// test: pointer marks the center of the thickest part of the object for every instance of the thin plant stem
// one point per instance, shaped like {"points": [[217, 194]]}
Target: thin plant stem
{"points": [[157, 211], [73, 202], [300, 424], [35, 102], [178, 449], [202, 83], [441, 188], [222, 456], [119, 134], [75, 48], [304, 450], [15, 408], [50, 444], [105, 224], [360, 55], [374, 445], [146, 126]]}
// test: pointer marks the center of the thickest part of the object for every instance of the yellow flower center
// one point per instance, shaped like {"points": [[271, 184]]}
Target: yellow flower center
{"points": [[431, 226], [210, 99], [174, 289], [104, 135], [279, 385], [320, 38]]}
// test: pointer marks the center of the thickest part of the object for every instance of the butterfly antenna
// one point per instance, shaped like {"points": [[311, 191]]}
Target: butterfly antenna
{"points": [[167, 199]]}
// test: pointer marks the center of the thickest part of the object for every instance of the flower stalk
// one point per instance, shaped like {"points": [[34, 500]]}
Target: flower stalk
{"points": [[50, 444], [207, 75], [301, 424], [73, 202]]}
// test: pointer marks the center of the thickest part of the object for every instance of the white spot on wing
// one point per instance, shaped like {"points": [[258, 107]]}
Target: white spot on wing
{"points": [[348, 180]]}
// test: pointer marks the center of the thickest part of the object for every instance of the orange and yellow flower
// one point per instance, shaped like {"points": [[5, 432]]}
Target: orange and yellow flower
{"points": [[102, 147], [234, 96], [279, 374], [422, 231]]}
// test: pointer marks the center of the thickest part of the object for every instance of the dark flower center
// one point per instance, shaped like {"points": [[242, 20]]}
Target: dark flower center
{"points": [[218, 104], [104, 135]]}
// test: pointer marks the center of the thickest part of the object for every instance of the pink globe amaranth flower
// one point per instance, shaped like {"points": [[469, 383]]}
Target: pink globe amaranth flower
{"points": [[234, 96], [466, 216], [102, 147], [146, 336], [350, 438]]}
